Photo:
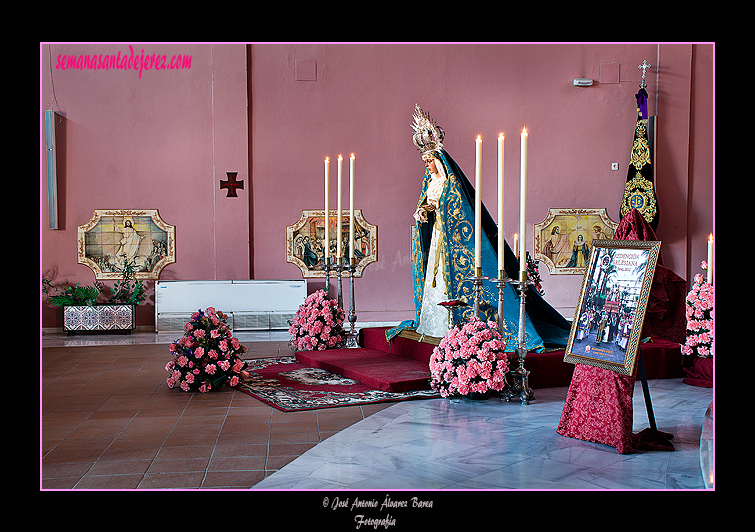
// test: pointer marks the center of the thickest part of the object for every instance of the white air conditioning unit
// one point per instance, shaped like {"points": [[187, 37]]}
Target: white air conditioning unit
{"points": [[250, 305]]}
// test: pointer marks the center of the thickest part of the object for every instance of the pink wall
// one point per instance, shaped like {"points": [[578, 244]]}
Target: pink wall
{"points": [[164, 141], [160, 141]]}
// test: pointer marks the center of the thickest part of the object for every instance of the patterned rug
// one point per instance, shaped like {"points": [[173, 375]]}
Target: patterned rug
{"points": [[288, 385]]}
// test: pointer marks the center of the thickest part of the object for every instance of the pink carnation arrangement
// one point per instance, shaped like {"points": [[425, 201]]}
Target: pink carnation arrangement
{"points": [[207, 355], [318, 324], [699, 318], [470, 359]]}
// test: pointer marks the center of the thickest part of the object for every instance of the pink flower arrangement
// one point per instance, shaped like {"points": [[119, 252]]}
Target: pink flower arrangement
{"points": [[699, 318], [207, 355], [470, 359], [318, 324]]}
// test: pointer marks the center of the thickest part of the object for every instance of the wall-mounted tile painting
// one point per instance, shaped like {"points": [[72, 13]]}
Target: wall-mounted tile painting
{"points": [[305, 238], [113, 238], [564, 239]]}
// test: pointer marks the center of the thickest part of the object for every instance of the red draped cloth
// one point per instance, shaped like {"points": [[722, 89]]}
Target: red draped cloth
{"points": [[598, 406], [699, 372]]}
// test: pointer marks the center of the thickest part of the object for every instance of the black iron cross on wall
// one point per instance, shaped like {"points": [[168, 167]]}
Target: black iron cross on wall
{"points": [[231, 184]]}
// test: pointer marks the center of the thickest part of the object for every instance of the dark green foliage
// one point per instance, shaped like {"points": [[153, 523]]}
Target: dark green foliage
{"points": [[126, 291], [72, 295]]}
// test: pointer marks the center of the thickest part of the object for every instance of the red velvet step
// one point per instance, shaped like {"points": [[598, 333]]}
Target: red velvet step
{"points": [[404, 365], [389, 372], [374, 338], [547, 370]]}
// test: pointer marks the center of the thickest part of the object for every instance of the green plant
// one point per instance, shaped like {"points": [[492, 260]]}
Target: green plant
{"points": [[128, 290], [71, 295]]}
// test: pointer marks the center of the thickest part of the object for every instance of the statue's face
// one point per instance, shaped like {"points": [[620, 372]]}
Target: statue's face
{"points": [[430, 165]]}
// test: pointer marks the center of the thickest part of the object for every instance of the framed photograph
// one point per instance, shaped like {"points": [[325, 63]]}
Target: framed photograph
{"points": [[612, 303], [564, 239], [113, 237], [305, 238]]}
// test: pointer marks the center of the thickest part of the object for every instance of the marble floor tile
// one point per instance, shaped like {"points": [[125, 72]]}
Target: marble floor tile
{"points": [[461, 444], [435, 444]]}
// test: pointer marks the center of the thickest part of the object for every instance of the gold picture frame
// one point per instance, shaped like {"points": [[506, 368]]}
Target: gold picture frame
{"points": [[611, 309], [113, 236], [304, 242], [564, 239]]}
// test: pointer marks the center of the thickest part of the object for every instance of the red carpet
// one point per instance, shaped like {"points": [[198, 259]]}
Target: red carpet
{"points": [[290, 386], [403, 365]]}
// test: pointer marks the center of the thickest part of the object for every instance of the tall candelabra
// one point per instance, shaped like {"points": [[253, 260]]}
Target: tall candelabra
{"points": [[351, 335], [517, 380], [339, 271], [501, 281], [327, 276], [477, 287]]}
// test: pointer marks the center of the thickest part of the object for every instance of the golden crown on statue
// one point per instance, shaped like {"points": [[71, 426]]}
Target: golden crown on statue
{"points": [[428, 136]]}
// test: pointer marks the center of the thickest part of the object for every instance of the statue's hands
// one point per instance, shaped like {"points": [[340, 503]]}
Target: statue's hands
{"points": [[421, 213]]}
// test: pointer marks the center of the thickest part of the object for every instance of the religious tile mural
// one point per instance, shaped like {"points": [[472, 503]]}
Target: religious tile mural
{"points": [[305, 238], [564, 239], [114, 237]]}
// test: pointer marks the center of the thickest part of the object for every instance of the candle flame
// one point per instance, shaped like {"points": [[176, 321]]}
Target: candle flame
{"points": [[710, 239], [500, 136], [352, 155], [478, 137], [524, 131], [327, 159], [340, 158]]}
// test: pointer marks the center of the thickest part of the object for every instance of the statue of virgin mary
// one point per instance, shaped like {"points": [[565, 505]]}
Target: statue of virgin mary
{"points": [[443, 256]]}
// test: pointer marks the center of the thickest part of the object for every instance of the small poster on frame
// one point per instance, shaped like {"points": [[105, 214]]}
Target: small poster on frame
{"points": [[611, 309]]}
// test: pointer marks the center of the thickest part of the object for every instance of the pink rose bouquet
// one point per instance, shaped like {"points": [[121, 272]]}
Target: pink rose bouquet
{"points": [[207, 355], [699, 318], [470, 359], [318, 324]]}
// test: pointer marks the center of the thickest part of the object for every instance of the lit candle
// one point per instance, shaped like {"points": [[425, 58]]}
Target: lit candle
{"points": [[516, 245], [339, 229], [710, 259], [500, 203], [326, 243], [523, 210], [477, 183], [351, 207]]}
